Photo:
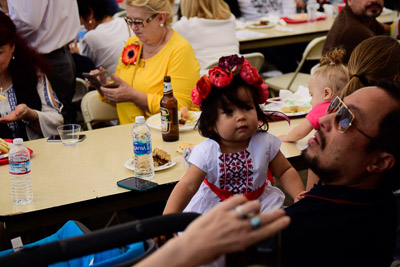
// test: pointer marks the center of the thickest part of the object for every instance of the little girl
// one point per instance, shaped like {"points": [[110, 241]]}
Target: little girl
{"points": [[326, 83], [238, 153]]}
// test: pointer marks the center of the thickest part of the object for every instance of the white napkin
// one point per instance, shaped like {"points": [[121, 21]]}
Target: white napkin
{"points": [[301, 96]]}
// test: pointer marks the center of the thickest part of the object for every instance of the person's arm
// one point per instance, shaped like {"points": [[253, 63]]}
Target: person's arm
{"points": [[312, 179], [40, 123], [298, 132], [287, 175], [219, 231], [27, 15], [184, 190]]}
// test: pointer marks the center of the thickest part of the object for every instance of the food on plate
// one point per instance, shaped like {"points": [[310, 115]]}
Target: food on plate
{"points": [[185, 116], [261, 23], [299, 16], [160, 157], [4, 147], [183, 146], [294, 109], [2, 98]]}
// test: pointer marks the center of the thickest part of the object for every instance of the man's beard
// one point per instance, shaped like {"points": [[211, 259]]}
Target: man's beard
{"points": [[325, 174], [375, 13]]}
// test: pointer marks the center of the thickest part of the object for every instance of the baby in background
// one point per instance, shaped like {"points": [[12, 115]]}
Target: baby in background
{"points": [[326, 83]]}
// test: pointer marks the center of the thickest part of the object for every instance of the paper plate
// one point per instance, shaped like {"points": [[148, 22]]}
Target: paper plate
{"points": [[155, 122], [129, 165]]}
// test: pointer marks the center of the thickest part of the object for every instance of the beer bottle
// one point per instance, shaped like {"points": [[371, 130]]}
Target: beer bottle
{"points": [[169, 113]]}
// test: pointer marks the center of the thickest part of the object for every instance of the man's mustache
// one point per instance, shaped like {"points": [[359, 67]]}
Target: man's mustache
{"points": [[375, 5]]}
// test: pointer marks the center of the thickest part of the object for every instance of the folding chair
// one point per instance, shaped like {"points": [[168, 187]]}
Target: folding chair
{"points": [[94, 110], [292, 80], [81, 89]]}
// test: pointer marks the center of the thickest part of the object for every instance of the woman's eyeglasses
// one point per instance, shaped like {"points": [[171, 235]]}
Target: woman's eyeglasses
{"points": [[139, 22], [344, 117]]}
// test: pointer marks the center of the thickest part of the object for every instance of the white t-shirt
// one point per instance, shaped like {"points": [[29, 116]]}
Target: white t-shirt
{"points": [[256, 9], [210, 38], [240, 172], [105, 43], [47, 25]]}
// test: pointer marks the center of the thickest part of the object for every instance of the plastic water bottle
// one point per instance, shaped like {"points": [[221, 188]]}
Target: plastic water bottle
{"points": [[20, 173], [143, 154], [312, 7]]}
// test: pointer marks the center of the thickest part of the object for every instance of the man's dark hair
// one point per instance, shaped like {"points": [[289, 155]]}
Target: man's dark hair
{"points": [[389, 129], [99, 7]]}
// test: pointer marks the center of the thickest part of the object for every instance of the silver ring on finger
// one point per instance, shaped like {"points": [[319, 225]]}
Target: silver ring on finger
{"points": [[240, 211]]}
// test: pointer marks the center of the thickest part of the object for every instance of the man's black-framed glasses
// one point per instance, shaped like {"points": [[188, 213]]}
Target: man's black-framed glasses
{"points": [[139, 22], [344, 117]]}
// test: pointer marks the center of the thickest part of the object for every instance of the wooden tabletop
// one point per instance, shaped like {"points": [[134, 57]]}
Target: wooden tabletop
{"points": [[68, 179], [301, 32]]}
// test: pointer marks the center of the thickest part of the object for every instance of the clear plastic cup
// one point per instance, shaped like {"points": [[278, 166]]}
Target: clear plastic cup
{"points": [[69, 134]]}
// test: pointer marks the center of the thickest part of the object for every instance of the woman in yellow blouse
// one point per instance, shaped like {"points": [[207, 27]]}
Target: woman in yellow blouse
{"points": [[155, 51]]}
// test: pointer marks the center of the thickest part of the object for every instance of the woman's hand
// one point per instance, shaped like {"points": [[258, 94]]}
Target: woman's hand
{"points": [[21, 112], [123, 93]]}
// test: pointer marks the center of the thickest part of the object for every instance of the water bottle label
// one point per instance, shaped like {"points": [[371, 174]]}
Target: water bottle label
{"points": [[165, 120], [167, 88], [19, 168], [142, 148]]}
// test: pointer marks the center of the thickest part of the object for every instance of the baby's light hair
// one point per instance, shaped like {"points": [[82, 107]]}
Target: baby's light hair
{"points": [[332, 73]]}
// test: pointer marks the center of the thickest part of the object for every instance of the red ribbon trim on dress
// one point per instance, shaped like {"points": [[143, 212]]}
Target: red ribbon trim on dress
{"points": [[224, 194]]}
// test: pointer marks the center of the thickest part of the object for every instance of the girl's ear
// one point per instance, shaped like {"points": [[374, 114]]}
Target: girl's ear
{"points": [[328, 94]]}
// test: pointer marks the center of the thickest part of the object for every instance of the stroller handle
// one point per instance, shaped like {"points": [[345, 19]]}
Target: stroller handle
{"points": [[99, 240]]}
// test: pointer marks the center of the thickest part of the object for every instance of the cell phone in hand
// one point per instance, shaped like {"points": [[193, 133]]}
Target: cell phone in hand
{"points": [[57, 138], [137, 184], [102, 78]]}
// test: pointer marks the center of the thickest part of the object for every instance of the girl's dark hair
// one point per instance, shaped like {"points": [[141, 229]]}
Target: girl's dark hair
{"points": [[25, 65], [99, 7], [220, 98]]}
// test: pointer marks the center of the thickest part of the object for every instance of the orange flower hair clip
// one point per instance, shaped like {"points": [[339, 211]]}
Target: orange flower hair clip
{"points": [[222, 75]]}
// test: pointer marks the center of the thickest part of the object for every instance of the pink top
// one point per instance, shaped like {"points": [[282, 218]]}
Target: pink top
{"points": [[317, 112]]}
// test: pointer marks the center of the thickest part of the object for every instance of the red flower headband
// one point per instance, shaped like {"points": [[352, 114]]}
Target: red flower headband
{"points": [[222, 75]]}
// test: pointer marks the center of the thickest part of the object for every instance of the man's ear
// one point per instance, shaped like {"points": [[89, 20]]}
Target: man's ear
{"points": [[328, 94], [383, 162]]}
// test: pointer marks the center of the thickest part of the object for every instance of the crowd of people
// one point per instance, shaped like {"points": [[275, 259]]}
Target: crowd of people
{"points": [[345, 215]]}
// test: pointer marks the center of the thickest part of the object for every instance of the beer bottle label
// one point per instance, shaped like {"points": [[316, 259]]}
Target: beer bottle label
{"points": [[167, 88], [165, 120]]}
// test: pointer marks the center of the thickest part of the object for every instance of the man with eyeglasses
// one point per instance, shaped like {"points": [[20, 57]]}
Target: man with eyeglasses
{"points": [[349, 218]]}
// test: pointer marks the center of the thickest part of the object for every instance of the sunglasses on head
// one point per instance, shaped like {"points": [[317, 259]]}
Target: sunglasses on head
{"points": [[344, 117], [139, 22]]}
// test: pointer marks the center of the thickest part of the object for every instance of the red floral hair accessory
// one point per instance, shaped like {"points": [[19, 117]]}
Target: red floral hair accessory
{"points": [[222, 75]]}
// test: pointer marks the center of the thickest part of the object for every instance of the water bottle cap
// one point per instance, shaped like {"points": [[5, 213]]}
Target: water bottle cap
{"points": [[139, 119], [18, 141]]}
